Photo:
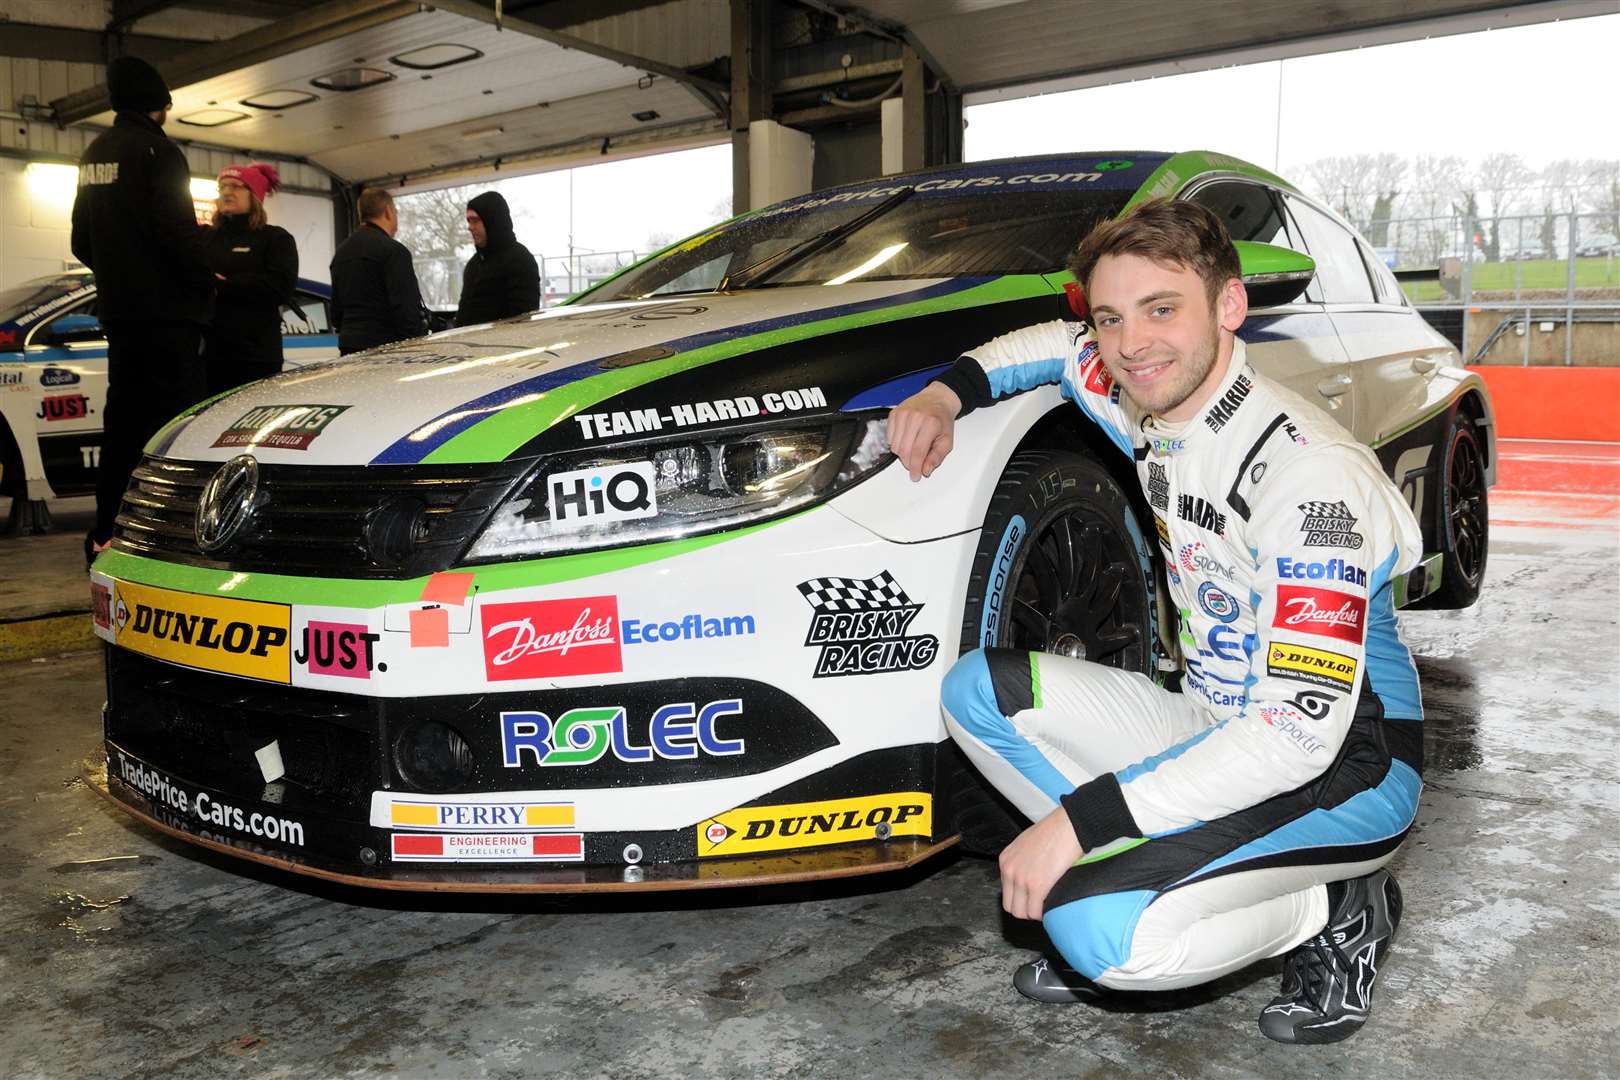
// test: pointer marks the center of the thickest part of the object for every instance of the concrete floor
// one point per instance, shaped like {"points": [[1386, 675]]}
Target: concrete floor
{"points": [[124, 953]]}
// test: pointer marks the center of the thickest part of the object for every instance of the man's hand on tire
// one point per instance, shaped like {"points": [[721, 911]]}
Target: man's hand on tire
{"points": [[921, 429]]}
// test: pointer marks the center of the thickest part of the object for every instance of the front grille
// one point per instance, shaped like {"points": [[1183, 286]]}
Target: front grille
{"points": [[316, 519], [207, 727]]}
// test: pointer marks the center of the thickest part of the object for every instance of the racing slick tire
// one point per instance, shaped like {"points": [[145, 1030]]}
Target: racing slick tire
{"points": [[1464, 524], [1061, 567]]}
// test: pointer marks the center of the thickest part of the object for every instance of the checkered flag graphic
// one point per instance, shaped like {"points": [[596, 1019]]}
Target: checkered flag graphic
{"points": [[854, 594], [1326, 510]]}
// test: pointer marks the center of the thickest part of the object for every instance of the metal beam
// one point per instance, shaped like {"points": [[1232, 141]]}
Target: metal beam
{"points": [[87, 46], [883, 28], [473, 9], [319, 24], [125, 12]]}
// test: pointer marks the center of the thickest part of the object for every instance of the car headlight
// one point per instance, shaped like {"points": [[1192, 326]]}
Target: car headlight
{"points": [[667, 489]]}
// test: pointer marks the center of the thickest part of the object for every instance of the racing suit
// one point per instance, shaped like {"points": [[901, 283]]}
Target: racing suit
{"points": [[1212, 819]]}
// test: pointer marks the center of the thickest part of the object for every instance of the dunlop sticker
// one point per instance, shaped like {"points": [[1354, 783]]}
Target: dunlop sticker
{"points": [[812, 824], [1289, 661], [236, 637]]}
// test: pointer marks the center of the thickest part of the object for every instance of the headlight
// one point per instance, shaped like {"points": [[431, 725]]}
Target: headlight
{"points": [[672, 488]]}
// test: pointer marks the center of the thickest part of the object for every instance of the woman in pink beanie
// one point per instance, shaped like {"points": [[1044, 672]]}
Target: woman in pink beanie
{"points": [[256, 265]]}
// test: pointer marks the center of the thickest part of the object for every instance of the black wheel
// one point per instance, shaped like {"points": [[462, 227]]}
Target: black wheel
{"points": [[1062, 567], [1464, 527]]}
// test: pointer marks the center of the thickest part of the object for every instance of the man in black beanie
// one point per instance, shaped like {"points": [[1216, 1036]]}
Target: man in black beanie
{"points": [[501, 279], [134, 226]]}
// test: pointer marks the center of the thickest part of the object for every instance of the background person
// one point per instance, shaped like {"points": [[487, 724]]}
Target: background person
{"points": [[255, 265], [501, 279], [134, 225], [375, 297], [1181, 836]]}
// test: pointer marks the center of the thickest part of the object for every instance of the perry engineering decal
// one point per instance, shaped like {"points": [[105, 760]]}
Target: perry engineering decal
{"points": [[813, 824], [235, 637], [487, 847], [859, 627]]}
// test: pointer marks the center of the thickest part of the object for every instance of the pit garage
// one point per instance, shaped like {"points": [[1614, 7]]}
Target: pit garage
{"points": [[562, 695]]}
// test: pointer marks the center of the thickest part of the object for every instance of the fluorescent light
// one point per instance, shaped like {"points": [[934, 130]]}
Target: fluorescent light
{"points": [[204, 189], [51, 184], [870, 264]]}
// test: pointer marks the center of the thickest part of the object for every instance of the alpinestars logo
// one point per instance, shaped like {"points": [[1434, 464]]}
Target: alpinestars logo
{"points": [[860, 627], [1228, 403], [1329, 524], [1158, 485]]}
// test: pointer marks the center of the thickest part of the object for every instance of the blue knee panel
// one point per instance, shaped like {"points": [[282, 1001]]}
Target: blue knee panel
{"points": [[969, 696], [1094, 934]]}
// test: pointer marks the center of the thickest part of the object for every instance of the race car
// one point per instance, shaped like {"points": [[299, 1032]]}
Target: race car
{"points": [[631, 593], [53, 377]]}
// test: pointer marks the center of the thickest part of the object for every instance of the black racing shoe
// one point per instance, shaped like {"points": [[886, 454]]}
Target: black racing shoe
{"points": [[1328, 981], [1054, 982]]}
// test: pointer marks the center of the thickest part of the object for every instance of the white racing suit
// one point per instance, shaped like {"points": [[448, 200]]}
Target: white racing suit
{"points": [[1213, 818]]}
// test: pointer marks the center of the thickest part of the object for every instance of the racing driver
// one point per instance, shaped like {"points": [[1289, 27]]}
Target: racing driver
{"points": [[1180, 836]]}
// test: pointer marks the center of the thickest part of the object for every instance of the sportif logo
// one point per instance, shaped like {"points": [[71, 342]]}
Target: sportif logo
{"points": [[1332, 570], [598, 496], [1158, 485], [1320, 611], [539, 639], [1290, 723], [1329, 524], [1305, 664], [680, 731], [860, 627], [1195, 558]]}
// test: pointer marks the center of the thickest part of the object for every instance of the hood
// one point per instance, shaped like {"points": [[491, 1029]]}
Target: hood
{"points": [[497, 218], [599, 374]]}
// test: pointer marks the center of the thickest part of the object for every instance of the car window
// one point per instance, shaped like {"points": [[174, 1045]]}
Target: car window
{"points": [[74, 326], [1249, 211], [1339, 268], [1388, 289], [19, 300], [314, 320]]}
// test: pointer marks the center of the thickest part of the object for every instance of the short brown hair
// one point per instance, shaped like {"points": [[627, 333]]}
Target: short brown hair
{"points": [[1166, 231], [374, 203]]}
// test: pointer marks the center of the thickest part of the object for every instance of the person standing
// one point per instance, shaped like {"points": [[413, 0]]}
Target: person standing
{"points": [[135, 227], [502, 278], [256, 265], [375, 298]]}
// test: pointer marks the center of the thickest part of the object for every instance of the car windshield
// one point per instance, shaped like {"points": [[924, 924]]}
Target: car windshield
{"points": [[934, 233], [21, 299]]}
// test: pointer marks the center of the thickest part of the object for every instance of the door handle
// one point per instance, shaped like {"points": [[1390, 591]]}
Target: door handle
{"points": [[1423, 365], [1333, 386]]}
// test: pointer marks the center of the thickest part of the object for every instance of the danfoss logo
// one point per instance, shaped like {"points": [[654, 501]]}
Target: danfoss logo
{"points": [[1320, 611], [544, 638]]}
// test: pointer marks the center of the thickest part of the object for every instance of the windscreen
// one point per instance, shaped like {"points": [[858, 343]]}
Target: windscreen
{"points": [[19, 300], [986, 224]]}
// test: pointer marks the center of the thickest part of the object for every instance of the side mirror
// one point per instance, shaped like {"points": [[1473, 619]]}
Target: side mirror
{"points": [[1273, 275], [76, 329]]}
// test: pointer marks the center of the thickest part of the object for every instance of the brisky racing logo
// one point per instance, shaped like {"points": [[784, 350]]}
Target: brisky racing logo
{"points": [[1329, 524], [207, 810], [860, 627], [583, 736]]}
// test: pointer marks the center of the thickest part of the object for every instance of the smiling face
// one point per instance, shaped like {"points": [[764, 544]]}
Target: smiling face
{"points": [[1159, 335], [234, 197], [475, 226]]}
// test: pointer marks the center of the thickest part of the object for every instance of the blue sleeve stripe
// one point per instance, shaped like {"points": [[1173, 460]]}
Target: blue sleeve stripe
{"points": [[1147, 765], [1115, 435], [1025, 376], [1390, 671]]}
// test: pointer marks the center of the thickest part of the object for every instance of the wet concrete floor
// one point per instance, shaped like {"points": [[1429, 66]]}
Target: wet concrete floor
{"points": [[123, 953]]}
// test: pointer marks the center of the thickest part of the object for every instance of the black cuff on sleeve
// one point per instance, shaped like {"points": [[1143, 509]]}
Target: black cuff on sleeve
{"points": [[967, 380], [1098, 812]]}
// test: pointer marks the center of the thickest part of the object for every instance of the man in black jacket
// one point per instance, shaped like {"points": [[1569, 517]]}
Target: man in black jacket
{"points": [[375, 298], [501, 279], [134, 226]]}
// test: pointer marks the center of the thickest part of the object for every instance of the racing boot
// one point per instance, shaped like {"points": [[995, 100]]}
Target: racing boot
{"points": [[1328, 981], [1054, 982]]}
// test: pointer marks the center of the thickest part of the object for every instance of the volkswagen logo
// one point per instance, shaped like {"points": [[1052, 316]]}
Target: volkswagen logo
{"points": [[227, 502]]}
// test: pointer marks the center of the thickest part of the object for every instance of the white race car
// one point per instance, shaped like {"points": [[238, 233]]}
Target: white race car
{"points": [[630, 593]]}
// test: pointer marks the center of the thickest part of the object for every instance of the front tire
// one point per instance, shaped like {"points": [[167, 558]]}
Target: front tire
{"points": [[1062, 567], [1464, 525]]}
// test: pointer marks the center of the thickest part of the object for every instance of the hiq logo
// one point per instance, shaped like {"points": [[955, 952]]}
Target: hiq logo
{"points": [[605, 493], [582, 736]]}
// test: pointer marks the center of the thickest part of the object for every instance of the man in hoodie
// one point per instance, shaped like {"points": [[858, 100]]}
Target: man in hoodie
{"points": [[501, 279], [134, 225]]}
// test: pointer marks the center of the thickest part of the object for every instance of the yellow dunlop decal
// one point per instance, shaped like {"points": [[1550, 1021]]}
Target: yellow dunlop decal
{"points": [[237, 637], [1289, 661], [800, 825], [1163, 529]]}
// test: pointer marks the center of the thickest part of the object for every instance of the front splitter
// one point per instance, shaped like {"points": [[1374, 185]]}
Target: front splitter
{"points": [[849, 860]]}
